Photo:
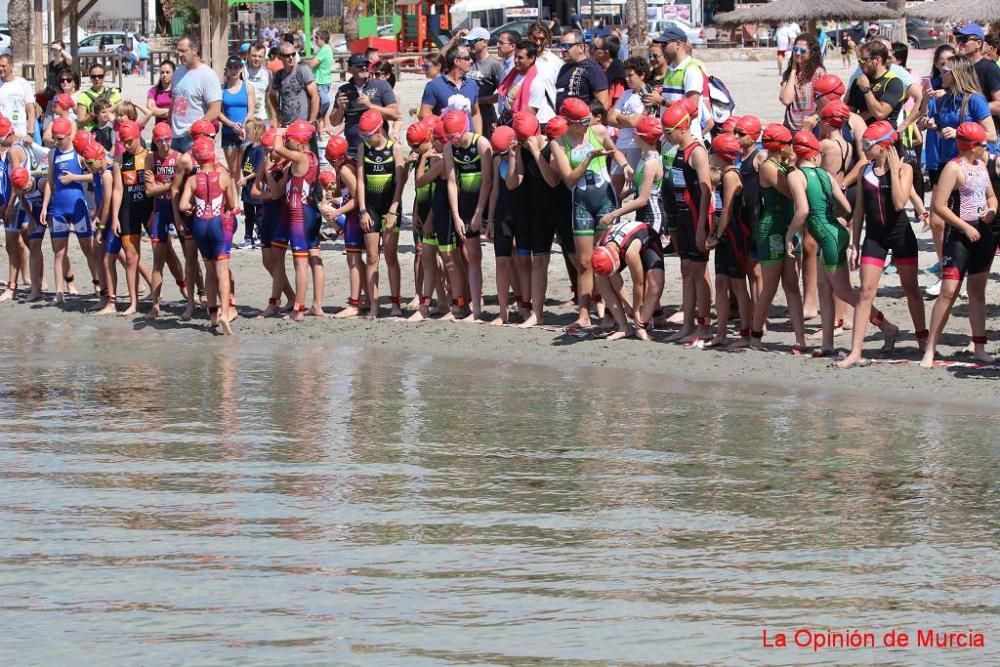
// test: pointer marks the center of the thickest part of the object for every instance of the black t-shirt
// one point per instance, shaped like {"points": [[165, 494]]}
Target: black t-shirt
{"points": [[379, 93], [989, 80], [581, 79], [887, 89]]}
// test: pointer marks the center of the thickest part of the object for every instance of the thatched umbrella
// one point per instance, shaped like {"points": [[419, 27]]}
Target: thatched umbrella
{"points": [[958, 11], [808, 10]]}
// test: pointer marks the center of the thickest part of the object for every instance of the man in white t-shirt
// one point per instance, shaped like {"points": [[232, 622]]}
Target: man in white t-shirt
{"points": [[783, 38], [258, 76], [547, 62], [17, 99], [540, 97]]}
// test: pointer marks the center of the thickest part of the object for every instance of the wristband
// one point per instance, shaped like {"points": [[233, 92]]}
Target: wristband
{"points": [[864, 91], [363, 211]]}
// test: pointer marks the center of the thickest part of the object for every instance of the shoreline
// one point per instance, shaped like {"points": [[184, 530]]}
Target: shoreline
{"points": [[746, 373]]}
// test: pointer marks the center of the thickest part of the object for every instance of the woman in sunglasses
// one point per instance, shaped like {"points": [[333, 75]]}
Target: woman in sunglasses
{"points": [[804, 67], [964, 199], [886, 184]]}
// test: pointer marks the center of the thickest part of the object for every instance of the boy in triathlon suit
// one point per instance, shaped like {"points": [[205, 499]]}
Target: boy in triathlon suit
{"points": [[731, 240], [965, 200], [583, 165], [210, 194], [131, 208], [424, 161], [12, 230], [637, 245], [159, 176], [814, 194], [298, 227], [503, 217], [345, 207], [185, 168], [467, 160], [64, 204], [265, 188], [687, 199], [97, 161], [748, 130], [24, 192], [381, 175]]}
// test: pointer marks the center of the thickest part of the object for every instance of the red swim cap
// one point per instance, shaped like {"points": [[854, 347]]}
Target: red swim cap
{"points": [[525, 125], [556, 127], [162, 131], [602, 261], [829, 86], [65, 101], [575, 110], [726, 147], [370, 122], [267, 139], [676, 117], [300, 131], [327, 177], [776, 137], [835, 114], [729, 125], [502, 139], [20, 177], [61, 126], [202, 128], [881, 132], [417, 134], [203, 150], [336, 148], [749, 125], [805, 145], [969, 135], [129, 130], [81, 139], [648, 129], [93, 151], [454, 124]]}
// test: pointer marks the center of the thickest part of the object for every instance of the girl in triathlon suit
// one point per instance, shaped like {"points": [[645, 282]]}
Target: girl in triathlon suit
{"points": [[881, 200], [775, 217], [730, 238], [161, 165], [687, 199], [747, 131], [345, 207], [97, 161], [648, 179], [814, 195], [298, 227], [381, 177], [64, 205], [583, 166], [131, 208], [266, 189], [12, 230], [637, 245], [209, 192], [467, 160], [964, 199], [501, 218], [23, 188]]}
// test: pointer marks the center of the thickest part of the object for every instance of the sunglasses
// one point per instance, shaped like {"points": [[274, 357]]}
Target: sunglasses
{"points": [[65, 80], [739, 133], [162, 140], [566, 46], [285, 55], [463, 57], [426, 66], [62, 138], [965, 38], [945, 70], [862, 61], [799, 49], [91, 163], [97, 76]]}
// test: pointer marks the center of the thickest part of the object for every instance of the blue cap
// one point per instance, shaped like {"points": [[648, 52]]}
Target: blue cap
{"points": [[970, 30], [671, 34], [244, 47]]}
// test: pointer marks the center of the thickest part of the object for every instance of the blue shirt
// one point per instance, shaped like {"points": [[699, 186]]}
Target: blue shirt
{"points": [[947, 112], [438, 91]]}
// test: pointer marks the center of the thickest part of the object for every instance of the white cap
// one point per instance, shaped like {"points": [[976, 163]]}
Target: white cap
{"points": [[477, 34], [875, 26]]}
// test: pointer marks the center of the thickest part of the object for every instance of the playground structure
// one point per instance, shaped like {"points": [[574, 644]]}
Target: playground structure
{"points": [[420, 20]]}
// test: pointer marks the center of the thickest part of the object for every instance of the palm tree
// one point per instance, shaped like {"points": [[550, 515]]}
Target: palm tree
{"points": [[19, 18], [352, 11]]}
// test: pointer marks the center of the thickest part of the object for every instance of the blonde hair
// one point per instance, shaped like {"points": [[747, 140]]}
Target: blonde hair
{"points": [[966, 80], [126, 109], [253, 128]]}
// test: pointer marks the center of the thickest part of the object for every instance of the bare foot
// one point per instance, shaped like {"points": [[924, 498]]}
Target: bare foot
{"points": [[619, 334], [232, 314], [131, 310], [984, 357], [607, 321], [469, 319], [270, 311], [810, 315], [890, 340], [528, 322], [676, 318], [448, 317], [818, 335], [583, 322], [642, 334], [758, 346], [660, 322], [720, 340], [599, 308], [418, 315], [316, 311], [927, 361], [109, 309], [188, 313], [568, 304], [33, 296], [154, 312], [849, 361], [7, 295], [414, 303], [71, 288], [349, 311], [822, 353], [227, 330], [60, 298], [97, 307], [396, 311], [499, 321], [739, 344], [680, 335]]}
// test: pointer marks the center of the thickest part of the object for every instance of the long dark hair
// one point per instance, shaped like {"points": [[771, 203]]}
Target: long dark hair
{"points": [[935, 72], [814, 62]]}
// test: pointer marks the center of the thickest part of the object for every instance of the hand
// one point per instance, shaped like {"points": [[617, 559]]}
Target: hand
{"points": [[364, 100], [489, 230], [390, 218], [652, 98], [711, 242], [790, 245], [863, 82], [628, 173], [342, 101], [459, 227], [148, 178], [28, 140], [700, 237], [241, 132], [366, 222], [971, 233], [947, 132], [853, 257], [476, 223], [809, 123], [43, 218], [116, 227], [988, 216], [67, 178], [925, 218], [605, 220]]}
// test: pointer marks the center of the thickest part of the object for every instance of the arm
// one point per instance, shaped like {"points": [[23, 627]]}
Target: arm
{"points": [[602, 97], [797, 184], [47, 194], [226, 183], [349, 178], [449, 170], [116, 201], [858, 215], [175, 191], [82, 114], [549, 172], [427, 172], [915, 93], [187, 194], [251, 102], [787, 94], [841, 198], [990, 127], [214, 110], [616, 154], [486, 151], [477, 119], [313, 93], [32, 115], [272, 106], [731, 187], [399, 163], [491, 207], [515, 171], [641, 198], [699, 160], [425, 110], [901, 178], [947, 183], [109, 184], [150, 185], [339, 109]]}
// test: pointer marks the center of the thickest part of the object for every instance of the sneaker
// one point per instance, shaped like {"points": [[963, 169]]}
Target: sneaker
{"points": [[933, 290], [244, 244], [963, 295], [890, 270], [936, 269]]}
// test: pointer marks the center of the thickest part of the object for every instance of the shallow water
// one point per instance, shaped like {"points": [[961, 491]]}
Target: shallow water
{"points": [[177, 498]]}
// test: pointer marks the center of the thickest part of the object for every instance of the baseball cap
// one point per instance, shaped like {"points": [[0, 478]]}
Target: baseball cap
{"points": [[477, 34], [244, 47], [233, 61], [357, 60], [970, 30], [671, 34]]}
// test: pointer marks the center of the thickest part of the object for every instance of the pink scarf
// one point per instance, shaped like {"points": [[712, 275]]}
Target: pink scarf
{"points": [[523, 94]]}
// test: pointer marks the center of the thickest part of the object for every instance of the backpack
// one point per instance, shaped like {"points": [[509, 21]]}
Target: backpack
{"points": [[722, 103]]}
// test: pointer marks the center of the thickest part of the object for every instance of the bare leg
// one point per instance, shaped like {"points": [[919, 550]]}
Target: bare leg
{"points": [[585, 277], [524, 276], [130, 244], [354, 279], [474, 252], [59, 247], [301, 264], [504, 270], [371, 272], [810, 277], [36, 269], [222, 279], [939, 318], [318, 276], [539, 285], [390, 243], [977, 315]]}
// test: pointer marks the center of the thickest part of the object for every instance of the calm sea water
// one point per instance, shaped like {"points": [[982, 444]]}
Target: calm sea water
{"points": [[179, 499]]}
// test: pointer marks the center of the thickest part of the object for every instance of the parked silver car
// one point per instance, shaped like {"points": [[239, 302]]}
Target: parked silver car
{"points": [[104, 42]]}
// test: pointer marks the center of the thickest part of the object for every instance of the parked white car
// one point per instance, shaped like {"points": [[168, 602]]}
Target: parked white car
{"points": [[4, 44], [103, 42], [695, 34]]}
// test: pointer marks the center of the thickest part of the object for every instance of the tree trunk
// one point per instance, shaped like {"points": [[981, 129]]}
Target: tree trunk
{"points": [[352, 11], [635, 22], [19, 18], [899, 6]]}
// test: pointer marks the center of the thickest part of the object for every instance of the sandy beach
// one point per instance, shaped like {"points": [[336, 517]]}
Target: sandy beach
{"points": [[751, 372]]}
